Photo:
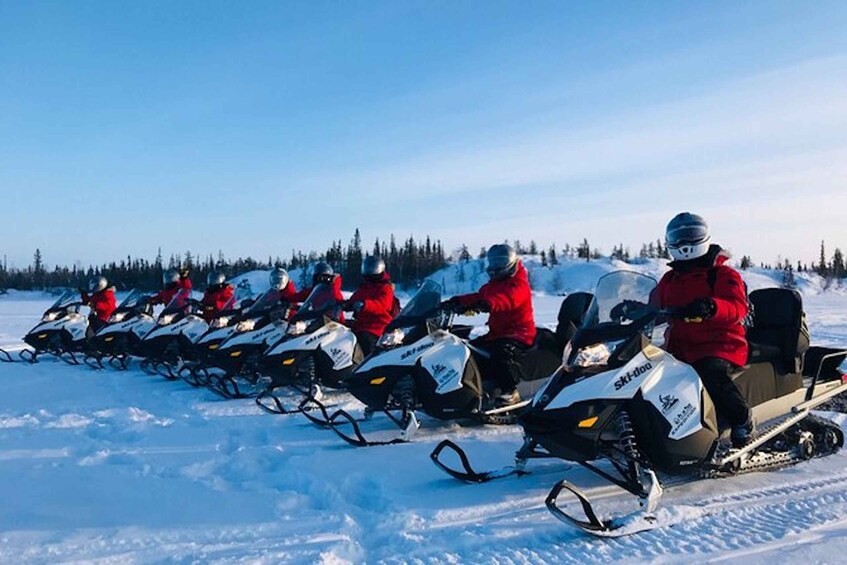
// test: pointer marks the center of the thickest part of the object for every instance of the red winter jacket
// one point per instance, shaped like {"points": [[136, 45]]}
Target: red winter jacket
{"points": [[102, 303], [510, 300], [722, 335], [215, 299], [167, 294], [378, 301]]}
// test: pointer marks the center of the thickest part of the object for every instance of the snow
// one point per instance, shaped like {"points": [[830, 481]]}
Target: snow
{"points": [[111, 466]]}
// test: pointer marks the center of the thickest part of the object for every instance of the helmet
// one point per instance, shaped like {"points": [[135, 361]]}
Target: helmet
{"points": [[372, 266], [687, 237], [502, 261], [215, 278], [279, 278], [323, 273], [169, 277], [96, 284]]}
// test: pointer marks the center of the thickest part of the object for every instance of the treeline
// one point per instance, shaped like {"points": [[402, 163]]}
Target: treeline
{"points": [[408, 263]]}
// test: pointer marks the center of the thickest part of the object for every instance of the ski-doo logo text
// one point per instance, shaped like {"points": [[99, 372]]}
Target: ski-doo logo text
{"points": [[416, 350], [316, 337], [633, 374]]}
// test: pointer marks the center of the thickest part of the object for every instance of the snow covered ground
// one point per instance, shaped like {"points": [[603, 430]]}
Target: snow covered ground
{"points": [[111, 466]]}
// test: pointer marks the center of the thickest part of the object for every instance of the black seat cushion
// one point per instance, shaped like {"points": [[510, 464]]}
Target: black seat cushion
{"points": [[778, 324], [571, 314]]}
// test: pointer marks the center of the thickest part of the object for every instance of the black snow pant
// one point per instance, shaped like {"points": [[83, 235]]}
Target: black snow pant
{"points": [[94, 325], [503, 367], [366, 341], [716, 374]]}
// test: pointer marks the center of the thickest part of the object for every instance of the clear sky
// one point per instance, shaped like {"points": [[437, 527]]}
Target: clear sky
{"points": [[258, 127]]}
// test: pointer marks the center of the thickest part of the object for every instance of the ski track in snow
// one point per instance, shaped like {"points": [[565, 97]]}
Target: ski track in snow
{"points": [[116, 467]]}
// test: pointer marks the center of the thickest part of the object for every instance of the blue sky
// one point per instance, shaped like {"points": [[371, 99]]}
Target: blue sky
{"points": [[258, 127]]}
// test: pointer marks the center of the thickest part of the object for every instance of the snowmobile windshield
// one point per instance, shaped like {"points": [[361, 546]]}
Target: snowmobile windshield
{"points": [[620, 298], [132, 300], [423, 303], [241, 294], [179, 301], [320, 301], [265, 302], [66, 299]]}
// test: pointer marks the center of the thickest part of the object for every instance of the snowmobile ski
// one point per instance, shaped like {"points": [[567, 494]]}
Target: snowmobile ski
{"points": [[468, 474], [408, 423]]}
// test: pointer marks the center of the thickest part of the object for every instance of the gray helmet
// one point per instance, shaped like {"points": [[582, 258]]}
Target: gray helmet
{"points": [[171, 276], [279, 278], [96, 284], [687, 237], [502, 261], [323, 273], [372, 266], [215, 278]]}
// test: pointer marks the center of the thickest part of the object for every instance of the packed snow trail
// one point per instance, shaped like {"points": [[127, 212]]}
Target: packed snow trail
{"points": [[124, 467]]}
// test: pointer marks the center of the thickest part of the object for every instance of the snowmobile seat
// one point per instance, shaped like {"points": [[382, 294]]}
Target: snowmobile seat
{"points": [[571, 315], [778, 339], [779, 333]]}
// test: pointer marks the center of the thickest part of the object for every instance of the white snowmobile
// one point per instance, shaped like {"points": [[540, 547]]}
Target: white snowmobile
{"points": [[424, 361], [62, 331], [240, 355], [633, 414], [122, 337], [222, 326], [171, 340], [318, 351]]}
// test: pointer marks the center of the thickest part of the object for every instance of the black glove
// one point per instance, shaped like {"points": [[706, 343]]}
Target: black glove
{"points": [[700, 309], [480, 306], [354, 307], [183, 274], [82, 290], [626, 310]]}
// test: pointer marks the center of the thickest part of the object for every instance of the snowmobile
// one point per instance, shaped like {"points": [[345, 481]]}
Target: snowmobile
{"points": [[634, 415], [424, 361], [240, 355], [171, 340], [221, 327], [62, 331], [122, 337], [318, 351]]}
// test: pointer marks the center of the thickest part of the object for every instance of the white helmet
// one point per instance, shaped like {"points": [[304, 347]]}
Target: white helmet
{"points": [[279, 278], [687, 237], [96, 284]]}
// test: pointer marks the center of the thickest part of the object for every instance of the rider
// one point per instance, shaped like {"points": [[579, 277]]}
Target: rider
{"points": [[511, 322], [372, 303], [323, 273], [286, 291], [709, 333], [173, 281], [100, 297], [217, 294]]}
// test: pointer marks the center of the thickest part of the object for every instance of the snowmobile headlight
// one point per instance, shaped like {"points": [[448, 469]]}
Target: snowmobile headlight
{"points": [[119, 317], [595, 355], [245, 326], [50, 316], [166, 319], [393, 338], [220, 322], [297, 328]]}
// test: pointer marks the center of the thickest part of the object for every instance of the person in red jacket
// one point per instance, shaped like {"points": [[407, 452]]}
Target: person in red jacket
{"points": [[372, 303], [709, 334], [511, 322], [218, 294], [173, 281], [100, 297], [324, 274]]}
